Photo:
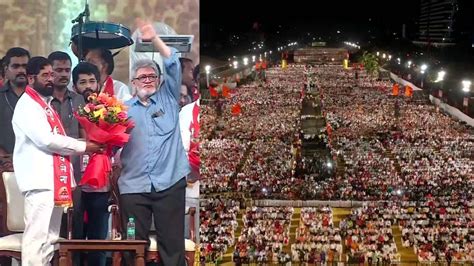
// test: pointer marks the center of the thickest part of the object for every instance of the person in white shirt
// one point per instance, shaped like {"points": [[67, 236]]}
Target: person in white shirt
{"points": [[189, 127], [39, 147]]}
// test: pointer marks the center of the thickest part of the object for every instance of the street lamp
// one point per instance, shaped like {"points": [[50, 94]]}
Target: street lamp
{"points": [[236, 64], [441, 75], [208, 71], [409, 64], [246, 61], [253, 58], [423, 68], [466, 85], [440, 79]]}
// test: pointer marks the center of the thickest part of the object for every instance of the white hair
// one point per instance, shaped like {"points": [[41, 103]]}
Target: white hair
{"points": [[145, 63], [161, 29]]}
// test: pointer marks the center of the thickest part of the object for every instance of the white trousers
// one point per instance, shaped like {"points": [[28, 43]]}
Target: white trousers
{"points": [[42, 225]]}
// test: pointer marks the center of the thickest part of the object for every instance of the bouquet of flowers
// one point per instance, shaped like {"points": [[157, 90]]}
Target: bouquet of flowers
{"points": [[105, 120]]}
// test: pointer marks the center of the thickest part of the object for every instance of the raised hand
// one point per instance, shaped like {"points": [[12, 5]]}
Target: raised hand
{"points": [[147, 31]]}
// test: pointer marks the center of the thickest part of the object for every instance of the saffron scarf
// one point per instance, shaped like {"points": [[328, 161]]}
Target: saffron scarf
{"points": [[61, 163]]}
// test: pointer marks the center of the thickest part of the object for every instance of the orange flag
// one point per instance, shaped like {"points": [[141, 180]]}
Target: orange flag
{"points": [[408, 91], [225, 91], [213, 91], [329, 129], [236, 109], [395, 89]]}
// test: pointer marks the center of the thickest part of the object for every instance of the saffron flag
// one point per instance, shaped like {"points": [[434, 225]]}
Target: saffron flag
{"points": [[225, 91], [408, 91], [395, 89], [213, 91], [236, 109]]}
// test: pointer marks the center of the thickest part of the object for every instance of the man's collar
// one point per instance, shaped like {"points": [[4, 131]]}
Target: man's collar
{"points": [[67, 95], [136, 100], [6, 87]]}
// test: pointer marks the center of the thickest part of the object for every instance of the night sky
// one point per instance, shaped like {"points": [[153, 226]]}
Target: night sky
{"points": [[229, 27]]}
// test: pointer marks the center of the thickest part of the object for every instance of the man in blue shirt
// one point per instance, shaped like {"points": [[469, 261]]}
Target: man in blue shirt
{"points": [[154, 163]]}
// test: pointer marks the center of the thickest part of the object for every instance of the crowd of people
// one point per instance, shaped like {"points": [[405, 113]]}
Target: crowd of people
{"points": [[259, 157], [369, 236], [438, 229], [267, 172], [265, 233], [317, 240], [422, 152], [219, 167], [388, 148], [218, 222]]}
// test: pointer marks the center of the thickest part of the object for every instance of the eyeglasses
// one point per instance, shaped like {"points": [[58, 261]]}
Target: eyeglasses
{"points": [[145, 78], [46, 75]]}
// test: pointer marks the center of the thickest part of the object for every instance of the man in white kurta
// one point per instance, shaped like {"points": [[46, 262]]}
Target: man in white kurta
{"points": [[33, 164], [192, 188]]}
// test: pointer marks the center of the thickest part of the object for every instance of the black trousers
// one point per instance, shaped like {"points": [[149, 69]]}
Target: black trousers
{"points": [[167, 208], [96, 204]]}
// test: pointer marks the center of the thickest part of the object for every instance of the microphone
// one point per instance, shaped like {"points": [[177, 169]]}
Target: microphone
{"points": [[87, 12]]}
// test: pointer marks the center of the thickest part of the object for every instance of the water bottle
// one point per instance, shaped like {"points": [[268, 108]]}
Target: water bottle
{"points": [[131, 229]]}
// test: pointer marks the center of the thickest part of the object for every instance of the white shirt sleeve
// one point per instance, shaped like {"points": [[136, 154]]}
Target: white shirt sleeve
{"points": [[34, 124], [121, 91], [185, 119]]}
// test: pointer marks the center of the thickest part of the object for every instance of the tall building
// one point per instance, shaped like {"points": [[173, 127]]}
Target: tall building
{"points": [[437, 21]]}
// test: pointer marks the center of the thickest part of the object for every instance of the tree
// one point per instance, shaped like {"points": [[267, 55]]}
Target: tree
{"points": [[370, 62]]}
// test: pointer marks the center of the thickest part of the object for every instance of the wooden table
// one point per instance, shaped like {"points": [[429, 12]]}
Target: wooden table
{"points": [[136, 246]]}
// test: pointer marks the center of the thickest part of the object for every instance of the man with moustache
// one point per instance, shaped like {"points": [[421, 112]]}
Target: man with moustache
{"points": [[187, 71], [40, 160], [14, 65], [85, 79], [154, 163], [104, 60], [66, 103], [95, 201]]}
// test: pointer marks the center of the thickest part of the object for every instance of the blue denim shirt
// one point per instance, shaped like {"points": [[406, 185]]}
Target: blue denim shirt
{"points": [[155, 154]]}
